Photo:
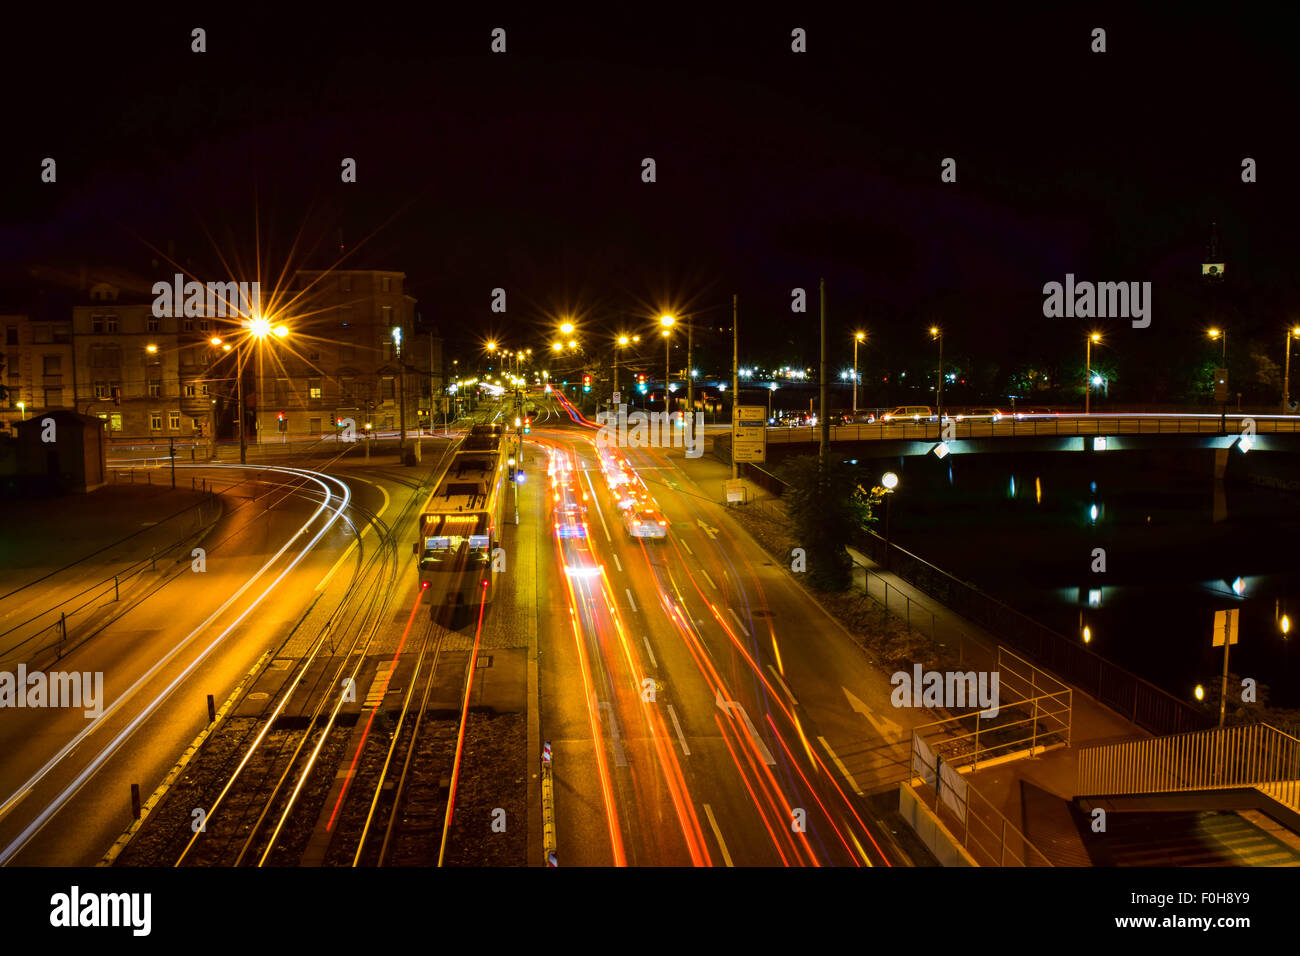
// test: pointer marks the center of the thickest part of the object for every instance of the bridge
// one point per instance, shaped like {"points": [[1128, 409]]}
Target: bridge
{"points": [[1066, 432]]}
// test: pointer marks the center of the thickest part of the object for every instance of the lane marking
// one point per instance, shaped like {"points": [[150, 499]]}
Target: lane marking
{"points": [[617, 563], [631, 600], [680, 736], [737, 708], [783, 684], [843, 769], [722, 844], [654, 663], [736, 617], [692, 554], [709, 579], [596, 504], [620, 758]]}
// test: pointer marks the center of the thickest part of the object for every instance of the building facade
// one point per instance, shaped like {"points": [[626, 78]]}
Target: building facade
{"points": [[341, 357], [40, 373]]}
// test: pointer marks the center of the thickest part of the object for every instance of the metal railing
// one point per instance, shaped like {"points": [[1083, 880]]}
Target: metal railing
{"points": [[1034, 713], [1134, 698], [1035, 427], [1252, 755], [985, 833], [909, 608]]}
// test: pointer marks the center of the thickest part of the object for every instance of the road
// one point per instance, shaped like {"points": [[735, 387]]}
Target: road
{"points": [[285, 540], [721, 697]]}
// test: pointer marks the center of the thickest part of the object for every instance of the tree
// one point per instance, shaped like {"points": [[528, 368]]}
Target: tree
{"points": [[826, 514]]}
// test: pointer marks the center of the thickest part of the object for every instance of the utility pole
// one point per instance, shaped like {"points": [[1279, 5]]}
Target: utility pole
{"points": [[690, 342], [735, 380], [822, 419], [243, 439]]}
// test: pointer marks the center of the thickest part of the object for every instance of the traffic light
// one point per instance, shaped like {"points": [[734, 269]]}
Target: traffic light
{"points": [[528, 423], [586, 383], [640, 382], [280, 419]]}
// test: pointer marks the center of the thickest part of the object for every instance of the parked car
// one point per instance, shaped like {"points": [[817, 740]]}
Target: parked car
{"points": [[915, 413]]}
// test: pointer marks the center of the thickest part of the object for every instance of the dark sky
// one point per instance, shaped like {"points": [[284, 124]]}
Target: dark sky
{"points": [[774, 169]]}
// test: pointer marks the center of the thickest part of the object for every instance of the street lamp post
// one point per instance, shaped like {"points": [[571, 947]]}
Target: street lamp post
{"points": [[667, 322], [888, 481], [1221, 334], [1087, 375], [937, 333], [1286, 378], [856, 339], [401, 391]]}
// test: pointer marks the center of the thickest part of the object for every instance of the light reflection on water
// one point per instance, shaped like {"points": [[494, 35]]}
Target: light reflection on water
{"points": [[1168, 564]]}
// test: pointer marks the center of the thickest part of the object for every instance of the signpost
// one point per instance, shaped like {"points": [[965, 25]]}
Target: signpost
{"points": [[749, 433], [735, 491]]}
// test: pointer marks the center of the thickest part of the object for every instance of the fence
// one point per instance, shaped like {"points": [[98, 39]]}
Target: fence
{"points": [[50, 628], [1253, 755], [988, 836], [1034, 713], [1136, 699], [1030, 427], [909, 607]]}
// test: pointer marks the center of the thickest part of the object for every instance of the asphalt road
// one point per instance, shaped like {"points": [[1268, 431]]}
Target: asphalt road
{"points": [[65, 782], [701, 708]]}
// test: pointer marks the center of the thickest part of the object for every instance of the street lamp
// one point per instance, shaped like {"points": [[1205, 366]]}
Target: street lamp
{"points": [[1286, 378], [401, 391], [623, 341], [937, 333], [667, 322], [1220, 333], [1087, 377], [858, 337], [888, 481], [567, 328]]}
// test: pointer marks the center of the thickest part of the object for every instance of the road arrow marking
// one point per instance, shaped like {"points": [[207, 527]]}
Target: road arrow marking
{"points": [[891, 731], [707, 529], [736, 708]]}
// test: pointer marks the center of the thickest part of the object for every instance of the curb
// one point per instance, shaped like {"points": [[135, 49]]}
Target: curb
{"points": [[122, 841]]}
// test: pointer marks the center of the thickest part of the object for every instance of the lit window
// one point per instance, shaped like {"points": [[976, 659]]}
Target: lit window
{"points": [[155, 421]]}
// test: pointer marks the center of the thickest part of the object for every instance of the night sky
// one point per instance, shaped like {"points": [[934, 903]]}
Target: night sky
{"points": [[774, 169]]}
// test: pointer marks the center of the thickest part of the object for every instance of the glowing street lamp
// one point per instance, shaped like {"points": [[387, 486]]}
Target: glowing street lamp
{"points": [[567, 328], [937, 333], [1087, 378], [667, 321], [858, 337], [1217, 334], [1286, 377], [888, 481]]}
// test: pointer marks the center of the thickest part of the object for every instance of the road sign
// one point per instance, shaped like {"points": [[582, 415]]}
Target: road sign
{"points": [[551, 859], [546, 754], [735, 491], [618, 397], [749, 433], [1225, 622]]}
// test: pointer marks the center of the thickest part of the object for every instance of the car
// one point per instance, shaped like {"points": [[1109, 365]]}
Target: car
{"points": [[983, 414], [645, 522], [859, 418], [916, 413]]}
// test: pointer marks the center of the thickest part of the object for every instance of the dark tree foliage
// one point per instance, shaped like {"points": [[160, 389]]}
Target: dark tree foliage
{"points": [[826, 514]]}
